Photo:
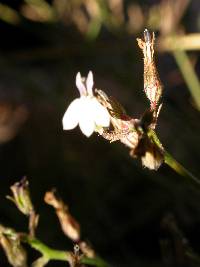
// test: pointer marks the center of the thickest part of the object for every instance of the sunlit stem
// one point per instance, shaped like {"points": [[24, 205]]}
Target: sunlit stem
{"points": [[53, 254], [171, 162]]}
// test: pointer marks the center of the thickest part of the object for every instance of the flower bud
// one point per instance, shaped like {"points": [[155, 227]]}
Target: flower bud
{"points": [[21, 196], [10, 243], [153, 156], [86, 249], [149, 153], [152, 83], [69, 225]]}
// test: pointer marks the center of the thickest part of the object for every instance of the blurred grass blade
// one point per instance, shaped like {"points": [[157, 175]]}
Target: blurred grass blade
{"points": [[94, 29], [9, 15], [39, 10], [189, 75], [180, 42]]}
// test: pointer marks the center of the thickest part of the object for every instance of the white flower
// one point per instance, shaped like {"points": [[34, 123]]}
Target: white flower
{"points": [[85, 110]]}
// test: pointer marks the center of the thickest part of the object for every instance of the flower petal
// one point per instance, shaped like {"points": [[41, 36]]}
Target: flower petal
{"points": [[100, 114], [90, 83], [71, 116], [86, 121], [80, 85], [87, 126]]}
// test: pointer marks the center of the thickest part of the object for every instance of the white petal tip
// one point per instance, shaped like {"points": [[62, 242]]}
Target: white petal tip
{"points": [[67, 125], [87, 130], [80, 85], [78, 76], [90, 75], [90, 83], [88, 135]]}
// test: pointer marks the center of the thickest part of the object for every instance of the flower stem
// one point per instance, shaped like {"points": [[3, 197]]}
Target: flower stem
{"points": [[171, 162], [94, 262], [180, 169], [47, 252], [54, 254]]}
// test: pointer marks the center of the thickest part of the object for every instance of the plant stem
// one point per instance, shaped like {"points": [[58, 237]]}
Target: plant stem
{"points": [[180, 169], [94, 261], [171, 162], [53, 254], [47, 252]]}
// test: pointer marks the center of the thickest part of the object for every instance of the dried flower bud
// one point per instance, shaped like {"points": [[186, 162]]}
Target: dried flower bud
{"points": [[68, 224], [152, 84], [21, 196], [10, 243], [86, 249], [33, 223], [123, 125], [149, 153], [133, 132], [152, 159], [153, 156]]}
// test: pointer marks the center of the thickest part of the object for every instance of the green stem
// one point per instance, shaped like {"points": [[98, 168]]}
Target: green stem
{"points": [[189, 75], [94, 261], [171, 162], [47, 252], [54, 254], [180, 169]]}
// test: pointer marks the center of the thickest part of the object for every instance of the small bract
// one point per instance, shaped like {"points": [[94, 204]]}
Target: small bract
{"points": [[85, 111]]}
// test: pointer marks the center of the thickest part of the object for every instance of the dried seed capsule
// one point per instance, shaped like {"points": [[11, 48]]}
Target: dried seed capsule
{"points": [[152, 84], [69, 225]]}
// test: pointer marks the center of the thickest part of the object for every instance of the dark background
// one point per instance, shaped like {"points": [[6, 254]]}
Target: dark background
{"points": [[119, 204]]}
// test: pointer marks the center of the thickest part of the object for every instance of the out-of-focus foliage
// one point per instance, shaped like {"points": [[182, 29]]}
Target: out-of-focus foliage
{"points": [[89, 16]]}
